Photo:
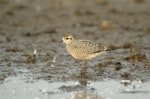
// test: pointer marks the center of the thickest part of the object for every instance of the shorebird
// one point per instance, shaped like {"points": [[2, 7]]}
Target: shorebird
{"points": [[82, 49]]}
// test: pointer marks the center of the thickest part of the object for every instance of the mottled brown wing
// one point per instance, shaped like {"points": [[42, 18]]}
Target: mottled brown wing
{"points": [[86, 46]]}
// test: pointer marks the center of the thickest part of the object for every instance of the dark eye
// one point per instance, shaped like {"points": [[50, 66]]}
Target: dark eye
{"points": [[67, 38]]}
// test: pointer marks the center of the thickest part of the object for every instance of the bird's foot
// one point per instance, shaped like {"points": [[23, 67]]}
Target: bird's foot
{"points": [[81, 75]]}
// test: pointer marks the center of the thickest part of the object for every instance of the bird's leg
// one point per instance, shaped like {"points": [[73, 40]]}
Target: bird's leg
{"points": [[84, 66], [83, 70]]}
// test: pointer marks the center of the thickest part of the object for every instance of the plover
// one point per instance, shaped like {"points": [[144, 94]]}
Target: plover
{"points": [[82, 49]]}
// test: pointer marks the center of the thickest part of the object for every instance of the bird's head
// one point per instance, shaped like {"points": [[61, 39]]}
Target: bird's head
{"points": [[67, 38]]}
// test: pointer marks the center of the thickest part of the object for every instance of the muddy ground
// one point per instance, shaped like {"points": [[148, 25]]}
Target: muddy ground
{"points": [[28, 25]]}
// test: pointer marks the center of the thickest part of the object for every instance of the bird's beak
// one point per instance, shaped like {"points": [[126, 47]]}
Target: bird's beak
{"points": [[60, 41]]}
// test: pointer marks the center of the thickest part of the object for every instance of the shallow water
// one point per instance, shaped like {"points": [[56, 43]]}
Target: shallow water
{"points": [[21, 87]]}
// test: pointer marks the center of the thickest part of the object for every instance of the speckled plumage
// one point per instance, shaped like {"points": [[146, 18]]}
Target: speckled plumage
{"points": [[82, 49]]}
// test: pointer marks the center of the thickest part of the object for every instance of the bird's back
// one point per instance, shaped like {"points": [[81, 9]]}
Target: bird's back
{"points": [[84, 49]]}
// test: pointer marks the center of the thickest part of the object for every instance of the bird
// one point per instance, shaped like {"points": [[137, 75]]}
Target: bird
{"points": [[82, 49]]}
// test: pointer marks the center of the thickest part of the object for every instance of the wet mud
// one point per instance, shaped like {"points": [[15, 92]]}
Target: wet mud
{"points": [[32, 57]]}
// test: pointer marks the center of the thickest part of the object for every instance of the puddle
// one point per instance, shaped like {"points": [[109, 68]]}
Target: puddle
{"points": [[19, 88]]}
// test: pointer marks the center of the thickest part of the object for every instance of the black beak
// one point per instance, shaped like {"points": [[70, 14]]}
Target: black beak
{"points": [[60, 41]]}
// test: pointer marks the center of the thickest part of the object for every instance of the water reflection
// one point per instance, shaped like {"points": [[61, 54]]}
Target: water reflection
{"points": [[84, 95], [18, 88]]}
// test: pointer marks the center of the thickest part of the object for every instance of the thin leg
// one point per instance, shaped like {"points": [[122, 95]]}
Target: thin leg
{"points": [[84, 66], [83, 70]]}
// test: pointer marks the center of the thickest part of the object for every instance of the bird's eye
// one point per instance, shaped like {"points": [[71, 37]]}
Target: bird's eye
{"points": [[67, 38]]}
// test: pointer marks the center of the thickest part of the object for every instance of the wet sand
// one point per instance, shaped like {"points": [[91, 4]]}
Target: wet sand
{"points": [[27, 25]]}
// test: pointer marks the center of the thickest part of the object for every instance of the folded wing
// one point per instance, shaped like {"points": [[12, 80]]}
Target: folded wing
{"points": [[86, 46]]}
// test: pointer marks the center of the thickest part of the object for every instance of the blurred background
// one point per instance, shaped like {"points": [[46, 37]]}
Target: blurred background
{"points": [[31, 29], [110, 20]]}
